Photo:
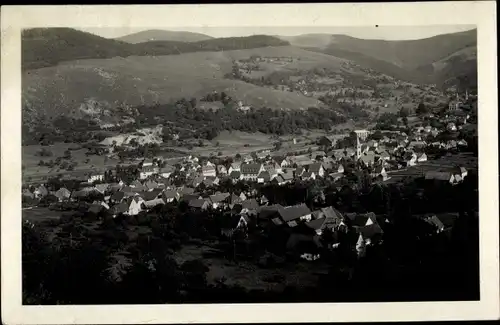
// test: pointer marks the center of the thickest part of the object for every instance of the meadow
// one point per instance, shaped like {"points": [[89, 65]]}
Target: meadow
{"points": [[144, 80]]}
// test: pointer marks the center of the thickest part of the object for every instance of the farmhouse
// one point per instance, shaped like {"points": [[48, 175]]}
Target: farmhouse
{"points": [[209, 171], [93, 177], [62, 194], [251, 171]]}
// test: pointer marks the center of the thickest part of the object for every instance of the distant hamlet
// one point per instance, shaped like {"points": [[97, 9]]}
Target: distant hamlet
{"points": [[174, 167]]}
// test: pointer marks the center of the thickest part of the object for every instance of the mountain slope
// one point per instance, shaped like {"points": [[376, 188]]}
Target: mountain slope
{"points": [[163, 35], [424, 60], [44, 47], [106, 84]]}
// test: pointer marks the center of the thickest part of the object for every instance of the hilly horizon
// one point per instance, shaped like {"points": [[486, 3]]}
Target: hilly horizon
{"points": [[424, 60], [163, 35], [45, 47], [66, 71]]}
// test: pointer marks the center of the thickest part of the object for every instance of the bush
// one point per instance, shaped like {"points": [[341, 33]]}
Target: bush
{"points": [[44, 152]]}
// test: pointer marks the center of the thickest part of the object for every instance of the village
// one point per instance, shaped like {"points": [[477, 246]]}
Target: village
{"points": [[237, 188]]}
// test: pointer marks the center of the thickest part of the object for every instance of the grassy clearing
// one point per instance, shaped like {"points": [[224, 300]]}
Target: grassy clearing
{"points": [[146, 80]]}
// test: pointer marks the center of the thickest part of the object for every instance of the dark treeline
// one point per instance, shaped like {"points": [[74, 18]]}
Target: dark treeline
{"points": [[208, 123]]}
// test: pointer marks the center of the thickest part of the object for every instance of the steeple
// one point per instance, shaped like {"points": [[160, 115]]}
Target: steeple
{"points": [[358, 147]]}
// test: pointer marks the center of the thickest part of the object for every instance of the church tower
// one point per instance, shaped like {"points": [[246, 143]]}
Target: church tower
{"points": [[358, 147]]}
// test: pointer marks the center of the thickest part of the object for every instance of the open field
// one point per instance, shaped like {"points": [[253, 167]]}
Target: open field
{"points": [[136, 81], [30, 160]]}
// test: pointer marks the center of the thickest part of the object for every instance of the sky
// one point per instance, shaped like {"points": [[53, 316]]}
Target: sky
{"points": [[375, 32]]}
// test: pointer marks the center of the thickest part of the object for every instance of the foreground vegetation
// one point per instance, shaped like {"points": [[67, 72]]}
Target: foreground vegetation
{"points": [[131, 260]]}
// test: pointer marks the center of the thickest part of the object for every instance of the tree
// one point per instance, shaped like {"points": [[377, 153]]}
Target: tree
{"points": [[422, 109], [404, 112], [405, 121], [277, 145]]}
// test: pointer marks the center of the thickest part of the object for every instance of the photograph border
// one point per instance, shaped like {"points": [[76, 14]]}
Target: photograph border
{"points": [[15, 18]]}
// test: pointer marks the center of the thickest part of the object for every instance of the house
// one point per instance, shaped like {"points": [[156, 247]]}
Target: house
{"points": [[281, 161], [316, 169], [302, 160], [368, 235], [422, 157], [364, 148], [462, 143], [336, 176], [263, 177], [451, 127], [152, 203], [361, 220], [62, 194], [151, 185], [196, 181], [410, 158], [325, 218], [117, 197], [102, 188], [221, 170], [166, 171], [280, 180], [328, 163], [384, 155], [117, 209], [151, 195], [218, 199], [189, 197], [368, 158], [27, 193], [147, 162], [242, 196], [135, 204], [146, 171], [234, 223], [321, 224], [362, 134], [269, 215], [251, 171], [40, 192], [416, 145], [299, 171], [170, 196], [339, 154], [308, 175], [249, 206], [235, 166], [208, 171], [94, 177], [198, 204], [379, 171], [135, 184], [438, 176], [273, 170], [291, 215], [232, 200], [442, 222]]}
